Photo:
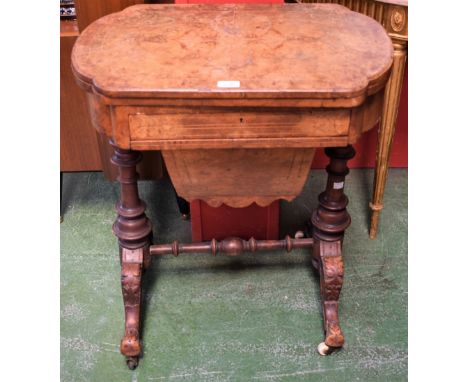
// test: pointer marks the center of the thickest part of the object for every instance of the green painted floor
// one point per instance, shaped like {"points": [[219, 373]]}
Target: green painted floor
{"points": [[251, 318]]}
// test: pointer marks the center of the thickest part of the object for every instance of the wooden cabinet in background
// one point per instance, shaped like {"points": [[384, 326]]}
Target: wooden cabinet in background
{"points": [[88, 11], [79, 149]]}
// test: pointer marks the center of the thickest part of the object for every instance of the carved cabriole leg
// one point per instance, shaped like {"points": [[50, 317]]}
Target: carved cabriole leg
{"points": [[331, 280], [386, 133], [133, 230], [328, 224], [131, 290]]}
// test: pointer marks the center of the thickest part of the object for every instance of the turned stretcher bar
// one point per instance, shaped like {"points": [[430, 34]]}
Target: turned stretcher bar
{"points": [[233, 246]]}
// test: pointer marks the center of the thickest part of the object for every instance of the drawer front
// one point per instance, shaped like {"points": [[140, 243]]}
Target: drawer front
{"points": [[229, 125]]}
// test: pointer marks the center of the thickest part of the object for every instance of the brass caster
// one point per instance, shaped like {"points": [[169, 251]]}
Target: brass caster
{"points": [[323, 349], [299, 235], [185, 216], [132, 362]]}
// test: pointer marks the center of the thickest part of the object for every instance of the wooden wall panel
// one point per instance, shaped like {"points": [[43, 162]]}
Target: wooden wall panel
{"points": [[78, 145]]}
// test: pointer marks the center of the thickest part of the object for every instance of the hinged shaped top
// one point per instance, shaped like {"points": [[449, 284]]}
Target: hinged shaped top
{"points": [[306, 51]]}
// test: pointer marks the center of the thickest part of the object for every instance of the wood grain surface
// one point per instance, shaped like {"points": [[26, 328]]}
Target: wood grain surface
{"points": [[78, 145], [239, 177], [134, 53], [229, 123]]}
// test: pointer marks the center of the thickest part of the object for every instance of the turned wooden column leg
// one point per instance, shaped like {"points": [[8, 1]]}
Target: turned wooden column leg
{"points": [[328, 224], [386, 133], [133, 230]]}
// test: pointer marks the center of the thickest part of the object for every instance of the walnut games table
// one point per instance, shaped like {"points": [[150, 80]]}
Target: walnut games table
{"points": [[218, 90]]}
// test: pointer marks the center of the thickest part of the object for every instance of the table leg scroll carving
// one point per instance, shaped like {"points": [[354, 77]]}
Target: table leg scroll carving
{"points": [[327, 226], [331, 280], [134, 231], [131, 290]]}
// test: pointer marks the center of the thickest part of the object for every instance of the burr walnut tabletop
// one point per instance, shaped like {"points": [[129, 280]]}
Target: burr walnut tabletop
{"points": [[184, 51], [236, 98]]}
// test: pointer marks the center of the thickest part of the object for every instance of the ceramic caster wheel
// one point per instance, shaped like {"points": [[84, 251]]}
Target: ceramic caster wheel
{"points": [[132, 362], [323, 348], [299, 235]]}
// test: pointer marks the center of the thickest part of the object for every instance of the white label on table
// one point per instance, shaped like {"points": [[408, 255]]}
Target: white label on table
{"points": [[338, 185], [228, 84]]}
